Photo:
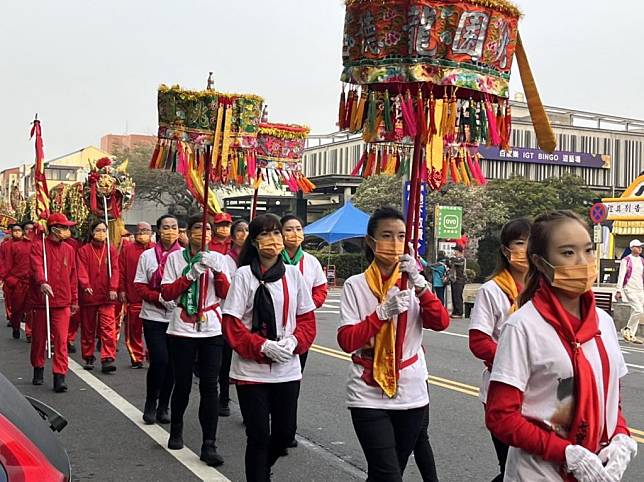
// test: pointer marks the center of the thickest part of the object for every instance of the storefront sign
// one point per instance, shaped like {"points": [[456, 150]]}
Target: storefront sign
{"points": [[625, 209], [449, 222], [537, 156]]}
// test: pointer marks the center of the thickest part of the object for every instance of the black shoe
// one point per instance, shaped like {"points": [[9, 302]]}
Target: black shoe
{"points": [[28, 338], [149, 412], [137, 365], [292, 444], [38, 376], [209, 454], [284, 453], [9, 324], [89, 364], [108, 366], [71, 348], [195, 371], [176, 436], [163, 415], [16, 334], [59, 383], [98, 346], [224, 410]]}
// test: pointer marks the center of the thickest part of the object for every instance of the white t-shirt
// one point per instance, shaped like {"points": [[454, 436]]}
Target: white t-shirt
{"points": [[312, 271], [212, 327], [531, 357], [356, 304], [239, 304], [146, 267], [636, 281], [491, 310], [231, 265]]}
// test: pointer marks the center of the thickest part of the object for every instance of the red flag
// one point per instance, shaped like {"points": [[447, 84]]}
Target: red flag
{"points": [[40, 180]]}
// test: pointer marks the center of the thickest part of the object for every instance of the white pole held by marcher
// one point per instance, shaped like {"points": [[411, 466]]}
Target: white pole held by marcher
{"points": [[44, 255], [107, 226]]}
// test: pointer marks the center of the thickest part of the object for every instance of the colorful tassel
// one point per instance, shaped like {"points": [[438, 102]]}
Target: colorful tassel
{"points": [[471, 110], [444, 116], [356, 170], [357, 120], [483, 124], [507, 128], [421, 117], [347, 110], [493, 132], [370, 128], [387, 114], [342, 110]]}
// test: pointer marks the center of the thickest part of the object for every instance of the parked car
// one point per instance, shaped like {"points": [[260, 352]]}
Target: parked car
{"points": [[30, 450]]}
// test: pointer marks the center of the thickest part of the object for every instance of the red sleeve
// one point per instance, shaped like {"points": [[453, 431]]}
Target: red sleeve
{"points": [[73, 278], [353, 337], [482, 346], [305, 331], [248, 345], [81, 268], [147, 293], [175, 289], [38, 267], [7, 261], [122, 264], [432, 312], [116, 272], [221, 285], [319, 294], [504, 419]]}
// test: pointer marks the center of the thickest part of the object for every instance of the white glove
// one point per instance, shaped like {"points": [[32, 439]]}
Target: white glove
{"points": [[196, 271], [168, 305], [585, 465], [408, 265], [290, 343], [617, 455], [214, 261], [276, 352], [398, 303]]}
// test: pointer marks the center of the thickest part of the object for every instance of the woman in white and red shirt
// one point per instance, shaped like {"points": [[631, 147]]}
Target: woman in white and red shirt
{"points": [[495, 302], [269, 322], [381, 325], [554, 388], [309, 266], [194, 335]]}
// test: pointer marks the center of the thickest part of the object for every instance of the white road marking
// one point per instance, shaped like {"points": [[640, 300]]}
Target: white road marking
{"points": [[186, 456], [632, 365], [337, 312], [450, 333]]}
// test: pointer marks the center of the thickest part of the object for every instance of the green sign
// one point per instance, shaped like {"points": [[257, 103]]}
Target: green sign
{"points": [[449, 222]]}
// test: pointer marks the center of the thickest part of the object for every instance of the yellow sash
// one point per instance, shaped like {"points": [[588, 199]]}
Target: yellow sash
{"points": [[506, 282], [384, 358]]}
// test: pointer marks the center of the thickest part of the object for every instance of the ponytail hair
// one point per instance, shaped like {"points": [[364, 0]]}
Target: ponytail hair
{"points": [[540, 234], [262, 223]]}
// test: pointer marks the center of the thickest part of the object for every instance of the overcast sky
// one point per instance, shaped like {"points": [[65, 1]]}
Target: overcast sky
{"points": [[91, 68]]}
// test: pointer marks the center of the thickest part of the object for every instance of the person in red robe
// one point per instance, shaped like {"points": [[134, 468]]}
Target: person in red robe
{"points": [[17, 274], [74, 321], [128, 296], [221, 241], [59, 283], [98, 286], [15, 230]]}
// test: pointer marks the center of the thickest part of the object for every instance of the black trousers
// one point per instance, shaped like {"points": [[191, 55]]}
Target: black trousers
{"points": [[270, 413], [159, 379], [387, 438], [423, 452], [502, 454], [440, 293], [224, 374], [457, 298], [182, 354], [303, 358]]}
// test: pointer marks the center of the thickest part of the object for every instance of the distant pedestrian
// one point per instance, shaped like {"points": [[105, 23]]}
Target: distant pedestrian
{"points": [[439, 276], [554, 394], [458, 278], [495, 302], [381, 325], [268, 321], [630, 288]]}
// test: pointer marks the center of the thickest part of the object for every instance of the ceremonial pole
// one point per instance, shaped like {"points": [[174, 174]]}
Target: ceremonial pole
{"points": [[107, 226], [48, 316], [203, 280]]}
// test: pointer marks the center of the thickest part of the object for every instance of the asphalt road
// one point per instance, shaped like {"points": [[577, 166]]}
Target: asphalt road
{"points": [[107, 441]]}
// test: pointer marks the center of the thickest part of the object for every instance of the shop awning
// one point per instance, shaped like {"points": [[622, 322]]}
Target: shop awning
{"points": [[627, 228]]}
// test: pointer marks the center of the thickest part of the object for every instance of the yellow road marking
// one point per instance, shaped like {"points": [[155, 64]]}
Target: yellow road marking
{"points": [[453, 385]]}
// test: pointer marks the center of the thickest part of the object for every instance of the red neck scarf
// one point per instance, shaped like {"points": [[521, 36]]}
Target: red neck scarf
{"points": [[233, 252], [162, 257], [585, 426]]}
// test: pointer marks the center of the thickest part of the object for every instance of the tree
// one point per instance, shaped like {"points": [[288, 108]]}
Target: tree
{"points": [[379, 191], [573, 194]]}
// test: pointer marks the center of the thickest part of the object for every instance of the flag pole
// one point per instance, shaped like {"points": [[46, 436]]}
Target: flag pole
{"points": [[48, 316], [203, 280], [107, 226]]}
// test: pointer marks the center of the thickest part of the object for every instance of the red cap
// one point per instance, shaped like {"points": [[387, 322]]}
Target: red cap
{"points": [[222, 218], [59, 219]]}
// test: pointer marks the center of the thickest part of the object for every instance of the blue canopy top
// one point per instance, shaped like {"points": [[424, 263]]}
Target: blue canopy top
{"points": [[345, 223]]}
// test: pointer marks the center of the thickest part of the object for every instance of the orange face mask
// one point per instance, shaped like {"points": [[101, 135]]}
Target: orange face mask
{"points": [[575, 279], [196, 236], [222, 231], [519, 259], [142, 238], [169, 236], [100, 235], [270, 246], [389, 252], [293, 238]]}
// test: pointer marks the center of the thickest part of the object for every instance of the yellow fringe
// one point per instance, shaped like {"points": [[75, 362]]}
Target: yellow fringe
{"points": [[206, 94], [217, 138], [294, 131], [227, 139], [434, 150], [501, 5]]}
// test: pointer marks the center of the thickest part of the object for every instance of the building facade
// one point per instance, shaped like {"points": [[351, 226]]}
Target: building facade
{"points": [[606, 151], [116, 142]]}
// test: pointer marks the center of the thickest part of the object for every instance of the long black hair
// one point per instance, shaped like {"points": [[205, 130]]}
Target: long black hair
{"points": [[237, 222], [262, 223], [374, 220], [512, 230], [542, 229]]}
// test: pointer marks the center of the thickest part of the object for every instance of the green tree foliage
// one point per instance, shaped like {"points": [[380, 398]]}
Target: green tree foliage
{"points": [[379, 191]]}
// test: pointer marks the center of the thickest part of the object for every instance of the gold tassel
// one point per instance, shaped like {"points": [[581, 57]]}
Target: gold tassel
{"points": [[217, 138], [444, 115], [227, 139], [543, 130], [434, 150], [358, 115]]}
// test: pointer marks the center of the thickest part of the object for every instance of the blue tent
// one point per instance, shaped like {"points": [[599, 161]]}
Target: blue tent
{"points": [[347, 222]]}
